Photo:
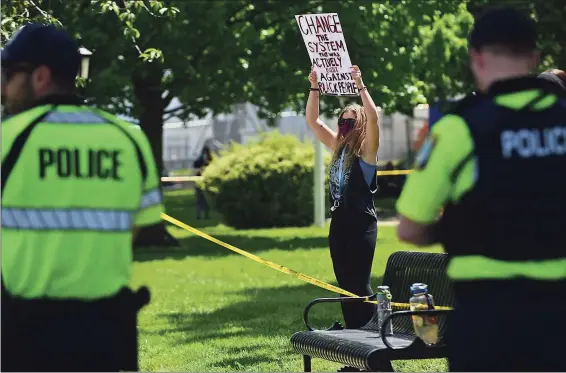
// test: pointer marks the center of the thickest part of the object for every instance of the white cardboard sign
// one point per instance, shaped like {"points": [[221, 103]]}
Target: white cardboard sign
{"points": [[324, 39]]}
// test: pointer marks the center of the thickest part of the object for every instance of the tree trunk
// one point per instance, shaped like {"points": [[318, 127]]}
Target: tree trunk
{"points": [[148, 91]]}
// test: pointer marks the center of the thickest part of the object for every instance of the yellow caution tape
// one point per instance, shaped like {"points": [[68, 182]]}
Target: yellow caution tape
{"points": [[181, 179], [278, 267], [394, 172]]}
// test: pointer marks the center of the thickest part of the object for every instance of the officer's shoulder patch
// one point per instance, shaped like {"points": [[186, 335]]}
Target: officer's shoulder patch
{"points": [[425, 151]]}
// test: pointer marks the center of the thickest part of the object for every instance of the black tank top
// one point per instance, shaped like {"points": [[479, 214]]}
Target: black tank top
{"points": [[355, 198]]}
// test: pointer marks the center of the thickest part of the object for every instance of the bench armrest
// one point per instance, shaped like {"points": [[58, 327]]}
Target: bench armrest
{"points": [[336, 325], [407, 313]]}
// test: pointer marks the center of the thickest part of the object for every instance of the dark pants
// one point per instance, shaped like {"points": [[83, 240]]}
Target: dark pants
{"points": [[503, 330], [202, 204], [352, 245], [55, 335]]}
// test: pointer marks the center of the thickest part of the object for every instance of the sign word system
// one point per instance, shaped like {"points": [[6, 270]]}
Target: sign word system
{"points": [[327, 50]]}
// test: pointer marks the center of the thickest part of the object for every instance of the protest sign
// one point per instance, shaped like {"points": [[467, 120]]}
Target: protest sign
{"points": [[324, 39]]}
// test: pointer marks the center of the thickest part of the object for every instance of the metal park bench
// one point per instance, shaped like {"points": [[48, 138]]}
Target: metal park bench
{"points": [[365, 348]]}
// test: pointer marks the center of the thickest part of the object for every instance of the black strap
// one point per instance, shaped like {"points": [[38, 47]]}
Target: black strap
{"points": [[139, 154], [123, 302], [456, 172], [12, 157]]}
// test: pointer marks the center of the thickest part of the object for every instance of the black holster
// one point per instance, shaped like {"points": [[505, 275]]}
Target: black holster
{"points": [[31, 341]]}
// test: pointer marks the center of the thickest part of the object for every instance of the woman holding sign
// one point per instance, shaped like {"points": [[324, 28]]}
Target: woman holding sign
{"points": [[353, 229]]}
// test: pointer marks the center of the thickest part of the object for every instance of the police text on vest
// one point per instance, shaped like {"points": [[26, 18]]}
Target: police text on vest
{"points": [[81, 164], [527, 143]]}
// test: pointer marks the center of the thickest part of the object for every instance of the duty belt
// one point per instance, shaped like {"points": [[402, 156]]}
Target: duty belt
{"points": [[124, 302]]}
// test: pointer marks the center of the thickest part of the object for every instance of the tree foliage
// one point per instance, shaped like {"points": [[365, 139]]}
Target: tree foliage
{"points": [[385, 39], [213, 54], [110, 30], [550, 16]]}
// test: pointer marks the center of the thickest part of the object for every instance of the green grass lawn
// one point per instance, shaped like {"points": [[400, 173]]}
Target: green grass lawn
{"points": [[214, 310]]}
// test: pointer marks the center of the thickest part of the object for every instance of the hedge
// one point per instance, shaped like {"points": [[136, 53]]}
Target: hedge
{"points": [[266, 183]]}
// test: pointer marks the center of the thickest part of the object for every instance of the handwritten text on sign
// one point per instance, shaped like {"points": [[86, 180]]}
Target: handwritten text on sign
{"points": [[327, 50]]}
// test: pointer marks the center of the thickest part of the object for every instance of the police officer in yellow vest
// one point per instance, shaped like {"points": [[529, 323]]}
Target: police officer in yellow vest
{"points": [[77, 183], [497, 167]]}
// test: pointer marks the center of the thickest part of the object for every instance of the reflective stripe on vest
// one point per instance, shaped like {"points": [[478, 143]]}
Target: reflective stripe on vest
{"points": [[81, 117], [479, 267], [67, 219], [153, 197]]}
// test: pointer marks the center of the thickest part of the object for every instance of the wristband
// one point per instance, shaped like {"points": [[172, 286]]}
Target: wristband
{"points": [[314, 89], [363, 88]]}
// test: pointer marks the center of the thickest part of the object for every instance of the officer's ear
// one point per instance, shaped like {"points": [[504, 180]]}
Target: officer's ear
{"points": [[41, 79], [477, 60], [534, 59]]}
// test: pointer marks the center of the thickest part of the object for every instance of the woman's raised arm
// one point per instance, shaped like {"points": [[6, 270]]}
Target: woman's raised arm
{"points": [[322, 132], [371, 143]]}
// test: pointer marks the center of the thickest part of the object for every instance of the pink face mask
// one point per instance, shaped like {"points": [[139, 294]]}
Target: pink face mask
{"points": [[345, 126]]}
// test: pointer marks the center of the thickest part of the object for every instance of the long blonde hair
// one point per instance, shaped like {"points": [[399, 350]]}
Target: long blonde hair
{"points": [[353, 139]]}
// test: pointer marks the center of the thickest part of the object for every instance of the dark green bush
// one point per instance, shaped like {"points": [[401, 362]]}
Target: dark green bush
{"points": [[267, 183]]}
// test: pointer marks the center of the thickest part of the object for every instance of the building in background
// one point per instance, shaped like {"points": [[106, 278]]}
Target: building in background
{"points": [[183, 141]]}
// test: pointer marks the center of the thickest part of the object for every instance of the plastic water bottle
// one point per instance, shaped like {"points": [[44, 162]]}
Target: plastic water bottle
{"points": [[426, 327], [384, 309]]}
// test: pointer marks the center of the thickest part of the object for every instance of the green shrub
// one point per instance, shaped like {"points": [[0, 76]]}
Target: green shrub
{"points": [[267, 183]]}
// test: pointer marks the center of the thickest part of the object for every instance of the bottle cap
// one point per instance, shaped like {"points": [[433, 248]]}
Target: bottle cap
{"points": [[419, 288]]}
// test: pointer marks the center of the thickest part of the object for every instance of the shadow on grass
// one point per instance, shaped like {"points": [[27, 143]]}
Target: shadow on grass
{"points": [[181, 204], [255, 354], [267, 312], [194, 245], [198, 246]]}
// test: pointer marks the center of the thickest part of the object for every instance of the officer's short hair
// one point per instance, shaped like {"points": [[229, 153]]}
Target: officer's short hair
{"points": [[504, 30]]}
